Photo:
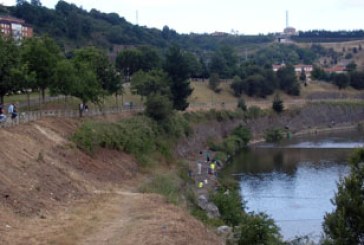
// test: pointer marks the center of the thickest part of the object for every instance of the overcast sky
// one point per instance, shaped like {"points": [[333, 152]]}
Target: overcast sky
{"points": [[246, 17]]}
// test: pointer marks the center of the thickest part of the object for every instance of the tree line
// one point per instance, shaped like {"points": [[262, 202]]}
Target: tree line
{"points": [[350, 77], [87, 73], [328, 36]]}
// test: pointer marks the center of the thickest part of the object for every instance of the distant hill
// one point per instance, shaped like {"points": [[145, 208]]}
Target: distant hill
{"points": [[74, 27]]}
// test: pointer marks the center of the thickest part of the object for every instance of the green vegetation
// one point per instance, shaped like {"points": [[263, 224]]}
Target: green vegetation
{"points": [[277, 104], [237, 140], [274, 135], [139, 136], [166, 185], [345, 225], [214, 82], [256, 229]]}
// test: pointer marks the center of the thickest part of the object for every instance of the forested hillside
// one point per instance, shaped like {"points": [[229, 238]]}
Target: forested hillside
{"points": [[73, 27]]}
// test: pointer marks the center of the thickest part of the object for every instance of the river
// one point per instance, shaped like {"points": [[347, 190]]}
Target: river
{"points": [[294, 181]]}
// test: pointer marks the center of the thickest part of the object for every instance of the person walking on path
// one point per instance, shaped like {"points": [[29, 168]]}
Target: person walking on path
{"points": [[12, 111], [2, 115]]}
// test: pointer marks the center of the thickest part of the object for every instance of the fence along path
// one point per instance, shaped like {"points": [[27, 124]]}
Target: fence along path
{"points": [[29, 116]]}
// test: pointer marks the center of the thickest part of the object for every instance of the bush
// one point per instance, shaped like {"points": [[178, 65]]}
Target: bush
{"points": [[258, 229], [242, 104], [158, 107], [277, 104], [140, 136], [254, 112], [273, 135], [230, 206], [214, 82]]}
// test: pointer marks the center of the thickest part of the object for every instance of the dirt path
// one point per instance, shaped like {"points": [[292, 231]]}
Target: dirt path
{"points": [[119, 217]]}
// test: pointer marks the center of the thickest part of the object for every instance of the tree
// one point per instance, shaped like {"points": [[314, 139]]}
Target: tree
{"points": [[341, 80], [345, 225], [319, 74], [357, 79], [257, 229], [238, 86], [86, 87], [303, 75], [65, 75], [351, 67], [159, 107], [257, 85], [177, 69], [277, 104], [77, 78], [107, 76], [242, 104], [214, 82], [20, 2], [152, 82], [149, 59], [218, 65], [9, 60], [129, 61], [36, 3], [24, 80], [194, 65], [288, 80], [41, 56]]}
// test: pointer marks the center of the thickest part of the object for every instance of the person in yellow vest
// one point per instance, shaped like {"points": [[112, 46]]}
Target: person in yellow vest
{"points": [[212, 167], [200, 184]]}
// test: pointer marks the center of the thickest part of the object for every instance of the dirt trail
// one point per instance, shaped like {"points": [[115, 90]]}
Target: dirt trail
{"points": [[52, 193]]}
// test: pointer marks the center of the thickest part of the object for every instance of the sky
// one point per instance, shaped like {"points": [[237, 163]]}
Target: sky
{"points": [[242, 16]]}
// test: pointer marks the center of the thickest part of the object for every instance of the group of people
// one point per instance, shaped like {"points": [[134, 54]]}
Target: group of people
{"points": [[211, 168], [12, 111]]}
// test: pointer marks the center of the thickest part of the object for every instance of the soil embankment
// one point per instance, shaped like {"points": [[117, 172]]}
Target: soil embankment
{"points": [[53, 193], [310, 119]]}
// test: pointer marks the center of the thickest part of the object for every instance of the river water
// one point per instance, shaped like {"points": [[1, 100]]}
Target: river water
{"points": [[294, 181]]}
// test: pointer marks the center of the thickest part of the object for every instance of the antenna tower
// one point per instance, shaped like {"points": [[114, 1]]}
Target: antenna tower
{"points": [[137, 17]]}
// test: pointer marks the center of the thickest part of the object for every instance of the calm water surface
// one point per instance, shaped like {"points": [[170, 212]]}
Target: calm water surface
{"points": [[294, 181]]}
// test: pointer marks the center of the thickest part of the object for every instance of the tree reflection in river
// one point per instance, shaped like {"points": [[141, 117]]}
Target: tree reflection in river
{"points": [[294, 181]]}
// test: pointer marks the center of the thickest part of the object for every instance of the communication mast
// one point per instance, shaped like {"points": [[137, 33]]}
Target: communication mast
{"points": [[137, 17]]}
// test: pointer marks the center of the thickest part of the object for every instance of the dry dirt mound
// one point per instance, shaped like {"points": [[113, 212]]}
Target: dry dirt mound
{"points": [[52, 193]]}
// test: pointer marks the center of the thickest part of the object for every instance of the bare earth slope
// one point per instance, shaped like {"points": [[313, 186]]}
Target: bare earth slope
{"points": [[52, 193]]}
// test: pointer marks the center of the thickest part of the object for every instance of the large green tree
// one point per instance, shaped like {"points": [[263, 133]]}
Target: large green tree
{"points": [[9, 60], [152, 82], [342, 80], [288, 80], [41, 56], [176, 67], [345, 225]]}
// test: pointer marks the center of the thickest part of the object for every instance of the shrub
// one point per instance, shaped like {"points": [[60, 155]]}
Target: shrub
{"points": [[258, 229], [242, 104], [158, 107], [254, 112], [214, 82], [273, 135], [277, 104], [230, 206]]}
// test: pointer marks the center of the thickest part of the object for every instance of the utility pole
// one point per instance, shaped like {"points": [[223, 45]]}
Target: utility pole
{"points": [[137, 17]]}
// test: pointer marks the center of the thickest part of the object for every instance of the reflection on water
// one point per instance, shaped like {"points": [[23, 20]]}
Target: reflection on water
{"points": [[294, 182]]}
